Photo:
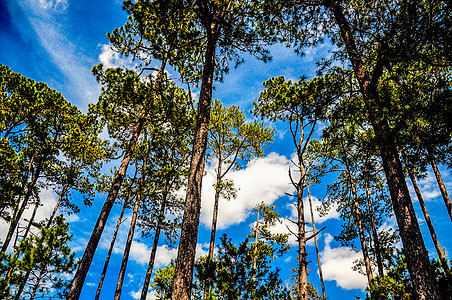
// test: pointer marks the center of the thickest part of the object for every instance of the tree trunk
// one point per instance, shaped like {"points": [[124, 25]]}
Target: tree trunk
{"points": [[374, 231], [256, 241], [57, 205], [110, 250], [82, 271], [125, 256], [362, 237], [301, 223], [416, 254], [18, 215], [147, 278], [215, 213], [183, 273], [441, 185], [36, 285], [438, 248], [316, 244]]}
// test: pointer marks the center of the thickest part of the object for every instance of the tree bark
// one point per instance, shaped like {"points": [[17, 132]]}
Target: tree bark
{"points": [[147, 278], [36, 285], [374, 231], [416, 254], [183, 274], [316, 244], [438, 248], [125, 256], [358, 221], [215, 212], [110, 250], [82, 270]]}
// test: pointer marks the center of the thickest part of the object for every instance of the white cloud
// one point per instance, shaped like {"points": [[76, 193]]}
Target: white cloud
{"points": [[55, 5], [316, 203], [152, 295], [112, 59], [140, 253], [337, 265], [263, 180]]}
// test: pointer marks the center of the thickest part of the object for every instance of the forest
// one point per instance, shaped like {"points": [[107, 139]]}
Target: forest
{"points": [[156, 189]]}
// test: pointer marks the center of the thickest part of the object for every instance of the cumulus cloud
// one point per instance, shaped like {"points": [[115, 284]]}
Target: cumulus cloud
{"points": [[112, 59], [337, 265], [262, 180], [140, 253]]}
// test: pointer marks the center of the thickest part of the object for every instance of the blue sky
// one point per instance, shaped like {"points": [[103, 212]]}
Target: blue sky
{"points": [[58, 41]]}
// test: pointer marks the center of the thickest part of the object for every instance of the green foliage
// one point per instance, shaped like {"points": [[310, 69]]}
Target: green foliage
{"points": [[177, 32], [232, 275], [46, 258], [163, 282]]}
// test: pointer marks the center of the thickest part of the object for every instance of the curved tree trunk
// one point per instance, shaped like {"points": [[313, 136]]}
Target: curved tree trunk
{"points": [[82, 270], [316, 244], [374, 231]]}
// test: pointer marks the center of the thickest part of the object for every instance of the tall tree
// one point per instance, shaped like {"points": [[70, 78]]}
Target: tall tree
{"points": [[198, 38], [127, 105], [372, 37], [232, 142], [301, 104]]}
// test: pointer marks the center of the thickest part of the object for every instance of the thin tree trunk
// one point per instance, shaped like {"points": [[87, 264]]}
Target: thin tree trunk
{"points": [[36, 285], [24, 279], [441, 185], [256, 241], [82, 271], [416, 254], [57, 205], [110, 250], [16, 217], [362, 237], [183, 274], [316, 244], [214, 226], [215, 213], [374, 231], [301, 223], [125, 257], [22, 284], [438, 248], [147, 278]]}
